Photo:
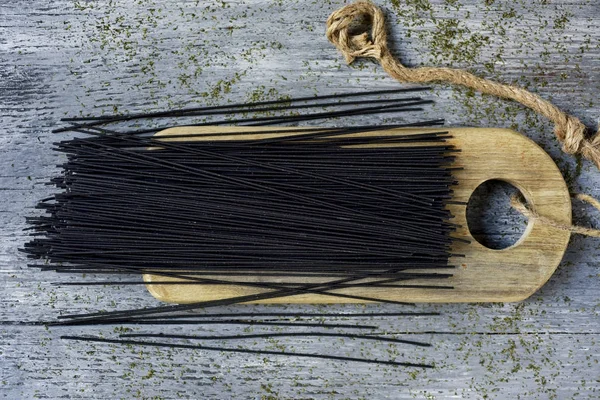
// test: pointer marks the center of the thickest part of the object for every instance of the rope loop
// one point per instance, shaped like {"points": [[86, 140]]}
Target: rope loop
{"points": [[351, 45], [518, 204]]}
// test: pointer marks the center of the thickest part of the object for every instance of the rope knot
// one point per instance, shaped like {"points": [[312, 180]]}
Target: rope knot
{"points": [[590, 149], [340, 26], [572, 133]]}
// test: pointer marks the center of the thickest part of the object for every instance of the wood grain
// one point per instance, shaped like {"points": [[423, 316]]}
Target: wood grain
{"points": [[104, 57], [483, 275]]}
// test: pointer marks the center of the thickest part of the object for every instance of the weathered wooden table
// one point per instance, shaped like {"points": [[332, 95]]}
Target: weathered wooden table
{"points": [[69, 57]]}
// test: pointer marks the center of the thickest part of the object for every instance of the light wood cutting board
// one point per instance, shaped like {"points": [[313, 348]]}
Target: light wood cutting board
{"points": [[483, 275]]}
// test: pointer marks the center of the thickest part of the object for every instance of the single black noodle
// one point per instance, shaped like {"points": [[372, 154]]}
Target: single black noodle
{"points": [[364, 211]]}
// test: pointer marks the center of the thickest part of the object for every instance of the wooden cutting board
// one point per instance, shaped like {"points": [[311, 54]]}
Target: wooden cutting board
{"points": [[483, 275]]}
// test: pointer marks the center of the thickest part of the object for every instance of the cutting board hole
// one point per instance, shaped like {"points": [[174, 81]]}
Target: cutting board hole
{"points": [[491, 219]]}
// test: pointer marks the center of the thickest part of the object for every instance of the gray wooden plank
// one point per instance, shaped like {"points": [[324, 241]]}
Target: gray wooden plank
{"points": [[528, 366], [66, 58]]}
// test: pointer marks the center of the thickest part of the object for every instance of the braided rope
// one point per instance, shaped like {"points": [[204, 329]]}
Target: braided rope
{"points": [[569, 130]]}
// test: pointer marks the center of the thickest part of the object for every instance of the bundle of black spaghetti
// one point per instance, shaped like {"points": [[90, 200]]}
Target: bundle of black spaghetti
{"points": [[353, 206]]}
